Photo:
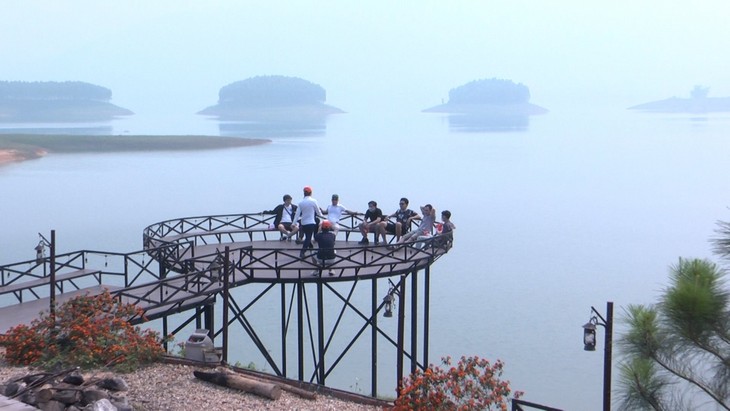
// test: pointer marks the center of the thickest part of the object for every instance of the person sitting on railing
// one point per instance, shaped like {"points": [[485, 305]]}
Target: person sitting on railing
{"points": [[444, 237], [334, 212], [284, 220], [326, 252], [425, 229], [371, 222], [401, 224]]}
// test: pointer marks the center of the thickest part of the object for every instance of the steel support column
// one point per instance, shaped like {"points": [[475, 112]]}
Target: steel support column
{"points": [[209, 320], [226, 273], [283, 329], [52, 263], [320, 333], [374, 338], [426, 313], [300, 330], [401, 324], [414, 320]]}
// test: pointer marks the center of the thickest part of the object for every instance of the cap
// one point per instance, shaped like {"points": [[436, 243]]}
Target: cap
{"points": [[307, 190], [326, 225]]}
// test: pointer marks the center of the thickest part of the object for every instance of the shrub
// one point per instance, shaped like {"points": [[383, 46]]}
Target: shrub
{"points": [[472, 384], [88, 331]]}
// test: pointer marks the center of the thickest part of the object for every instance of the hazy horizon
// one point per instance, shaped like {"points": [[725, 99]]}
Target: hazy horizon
{"points": [[170, 56]]}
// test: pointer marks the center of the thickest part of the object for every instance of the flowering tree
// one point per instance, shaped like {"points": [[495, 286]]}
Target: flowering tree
{"points": [[88, 331], [472, 384]]}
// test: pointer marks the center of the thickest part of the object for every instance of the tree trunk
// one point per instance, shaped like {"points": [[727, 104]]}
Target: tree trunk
{"points": [[271, 391]]}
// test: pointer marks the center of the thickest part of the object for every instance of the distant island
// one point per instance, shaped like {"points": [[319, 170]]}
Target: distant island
{"points": [[56, 102], [493, 97], [697, 103], [271, 99]]}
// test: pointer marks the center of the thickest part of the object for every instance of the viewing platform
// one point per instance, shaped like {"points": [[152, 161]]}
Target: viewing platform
{"points": [[187, 265]]}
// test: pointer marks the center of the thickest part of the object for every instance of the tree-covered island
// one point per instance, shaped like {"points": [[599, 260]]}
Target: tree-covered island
{"points": [[56, 102], [270, 98], [698, 102], [489, 96]]}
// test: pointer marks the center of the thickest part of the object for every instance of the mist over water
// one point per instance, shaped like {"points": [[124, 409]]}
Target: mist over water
{"points": [[580, 207]]}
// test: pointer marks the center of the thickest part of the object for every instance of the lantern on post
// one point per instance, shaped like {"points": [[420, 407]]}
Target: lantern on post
{"points": [[589, 334], [389, 300], [589, 344]]}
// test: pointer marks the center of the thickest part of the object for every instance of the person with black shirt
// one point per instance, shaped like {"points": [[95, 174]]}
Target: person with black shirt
{"points": [[401, 224], [325, 255], [284, 220], [370, 222]]}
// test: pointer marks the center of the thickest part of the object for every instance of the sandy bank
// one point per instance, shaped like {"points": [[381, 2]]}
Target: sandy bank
{"points": [[11, 155], [20, 147]]}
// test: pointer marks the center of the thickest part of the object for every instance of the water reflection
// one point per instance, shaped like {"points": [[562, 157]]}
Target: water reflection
{"points": [[488, 122], [281, 128], [84, 129]]}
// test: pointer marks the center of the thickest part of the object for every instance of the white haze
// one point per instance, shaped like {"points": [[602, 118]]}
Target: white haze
{"points": [[173, 56]]}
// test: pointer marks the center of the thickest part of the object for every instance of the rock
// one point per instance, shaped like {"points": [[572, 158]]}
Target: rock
{"points": [[91, 395], [52, 406], [103, 405], [113, 384], [9, 389], [75, 378]]}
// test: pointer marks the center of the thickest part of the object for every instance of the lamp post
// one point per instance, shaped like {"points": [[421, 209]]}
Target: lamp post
{"points": [[40, 258], [589, 344]]}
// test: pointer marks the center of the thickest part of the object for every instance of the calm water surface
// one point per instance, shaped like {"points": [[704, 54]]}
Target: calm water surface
{"points": [[580, 207]]}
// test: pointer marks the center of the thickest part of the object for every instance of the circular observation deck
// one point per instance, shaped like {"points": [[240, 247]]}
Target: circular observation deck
{"points": [[256, 253]]}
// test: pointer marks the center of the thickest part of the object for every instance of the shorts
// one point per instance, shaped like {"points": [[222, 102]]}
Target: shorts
{"points": [[390, 228], [287, 226]]}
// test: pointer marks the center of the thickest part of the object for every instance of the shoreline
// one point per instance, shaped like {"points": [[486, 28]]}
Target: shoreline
{"points": [[16, 148], [12, 155]]}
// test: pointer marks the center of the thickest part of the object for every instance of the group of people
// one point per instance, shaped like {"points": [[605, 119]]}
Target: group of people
{"points": [[307, 221]]}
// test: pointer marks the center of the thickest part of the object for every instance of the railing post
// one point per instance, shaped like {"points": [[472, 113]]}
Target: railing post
{"points": [[226, 271], [53, 276]]}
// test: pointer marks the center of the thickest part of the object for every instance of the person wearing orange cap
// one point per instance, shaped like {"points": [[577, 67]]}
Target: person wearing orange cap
{"points": [[308, 211], [326, 253]]}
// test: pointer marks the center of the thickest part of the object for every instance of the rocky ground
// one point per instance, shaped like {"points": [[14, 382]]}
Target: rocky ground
{"points": [[174, 387]]}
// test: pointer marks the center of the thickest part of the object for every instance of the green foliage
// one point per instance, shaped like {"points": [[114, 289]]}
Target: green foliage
{"points": [[490, 91], [271, 91], [53, 90], [472, 384], [87, 331], [681, 345]]}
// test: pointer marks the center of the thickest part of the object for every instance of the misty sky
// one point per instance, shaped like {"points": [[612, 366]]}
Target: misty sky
{"points": [[175, 55]]}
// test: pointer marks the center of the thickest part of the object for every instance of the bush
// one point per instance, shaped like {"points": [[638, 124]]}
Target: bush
{"points": [[473, 384], [88, 331]]}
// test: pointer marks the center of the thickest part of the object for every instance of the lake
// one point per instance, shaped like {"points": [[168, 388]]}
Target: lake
{"points": [[554, 214]]}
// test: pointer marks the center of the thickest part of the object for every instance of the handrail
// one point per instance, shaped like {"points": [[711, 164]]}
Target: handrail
{"points": [[132, 268], [517, 406]]}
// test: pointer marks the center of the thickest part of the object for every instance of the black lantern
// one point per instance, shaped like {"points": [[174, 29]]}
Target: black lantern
{"points": [[39, 251], [389, 300], [589, 335]]}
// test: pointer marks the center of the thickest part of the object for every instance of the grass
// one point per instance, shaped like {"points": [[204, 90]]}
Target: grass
{"points": [[31, 144]]}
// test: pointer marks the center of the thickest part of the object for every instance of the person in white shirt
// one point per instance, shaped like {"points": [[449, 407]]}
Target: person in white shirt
{"points": [[334, 213], [308, 211]]}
